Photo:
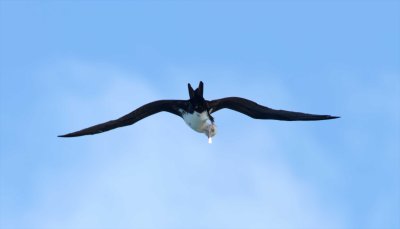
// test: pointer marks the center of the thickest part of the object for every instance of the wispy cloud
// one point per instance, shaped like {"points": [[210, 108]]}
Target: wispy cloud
{"points": [[160, 174]]}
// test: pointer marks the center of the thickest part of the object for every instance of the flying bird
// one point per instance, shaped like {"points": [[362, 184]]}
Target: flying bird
{"points": [[196, 112]]}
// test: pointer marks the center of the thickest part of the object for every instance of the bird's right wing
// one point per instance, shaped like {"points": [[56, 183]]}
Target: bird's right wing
{"points": [[171, 106], [258, 111]]}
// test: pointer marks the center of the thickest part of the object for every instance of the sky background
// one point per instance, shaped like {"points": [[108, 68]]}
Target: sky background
{"points": [[66, 65]]}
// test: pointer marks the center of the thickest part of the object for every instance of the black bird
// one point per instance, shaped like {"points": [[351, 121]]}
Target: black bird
{"points": [[197, 113]]}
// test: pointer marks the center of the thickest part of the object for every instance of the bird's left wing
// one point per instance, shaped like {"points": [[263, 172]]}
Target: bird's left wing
{"points": [[258, 111], [171, 106]]}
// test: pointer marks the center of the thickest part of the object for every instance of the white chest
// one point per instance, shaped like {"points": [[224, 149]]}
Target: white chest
{"points": [[197, 121]]}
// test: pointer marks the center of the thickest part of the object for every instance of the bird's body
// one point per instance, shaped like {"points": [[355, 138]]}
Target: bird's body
{"points": [[197, 121], [196, 112], [200, 122]]}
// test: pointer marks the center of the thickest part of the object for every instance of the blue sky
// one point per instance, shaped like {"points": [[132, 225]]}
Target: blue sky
{"points": [[66, 65]]}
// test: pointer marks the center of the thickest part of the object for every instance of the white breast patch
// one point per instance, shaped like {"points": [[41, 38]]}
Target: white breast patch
{"points": [[197, 121]]}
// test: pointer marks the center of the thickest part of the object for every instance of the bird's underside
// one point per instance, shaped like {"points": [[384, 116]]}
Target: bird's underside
{"points": [[199, 105]]}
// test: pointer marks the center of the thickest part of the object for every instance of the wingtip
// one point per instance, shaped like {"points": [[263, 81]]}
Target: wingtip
{"points": [[67, 135], [63, 136]]}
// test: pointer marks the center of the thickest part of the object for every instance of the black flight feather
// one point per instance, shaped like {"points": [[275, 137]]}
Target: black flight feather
{"points": [[171, 106], [258, 111]]}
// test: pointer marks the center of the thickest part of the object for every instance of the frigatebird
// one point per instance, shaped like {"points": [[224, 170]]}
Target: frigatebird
{"points": [[196, 112]]}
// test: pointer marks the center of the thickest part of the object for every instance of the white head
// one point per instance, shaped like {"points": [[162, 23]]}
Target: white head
{"points": [[210, 131]]}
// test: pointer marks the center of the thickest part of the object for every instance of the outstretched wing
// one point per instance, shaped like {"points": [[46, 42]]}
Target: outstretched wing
{"points": [[257, 111], [171, 106]]}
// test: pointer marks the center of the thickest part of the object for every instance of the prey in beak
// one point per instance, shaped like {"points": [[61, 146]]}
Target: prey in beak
{"points": [[211, 132]]}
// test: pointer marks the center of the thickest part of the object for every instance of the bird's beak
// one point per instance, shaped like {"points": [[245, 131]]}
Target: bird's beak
{"points": [[209, 140]]}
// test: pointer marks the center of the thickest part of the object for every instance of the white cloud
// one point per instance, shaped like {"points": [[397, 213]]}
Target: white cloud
{"points": [[160, 174]]}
